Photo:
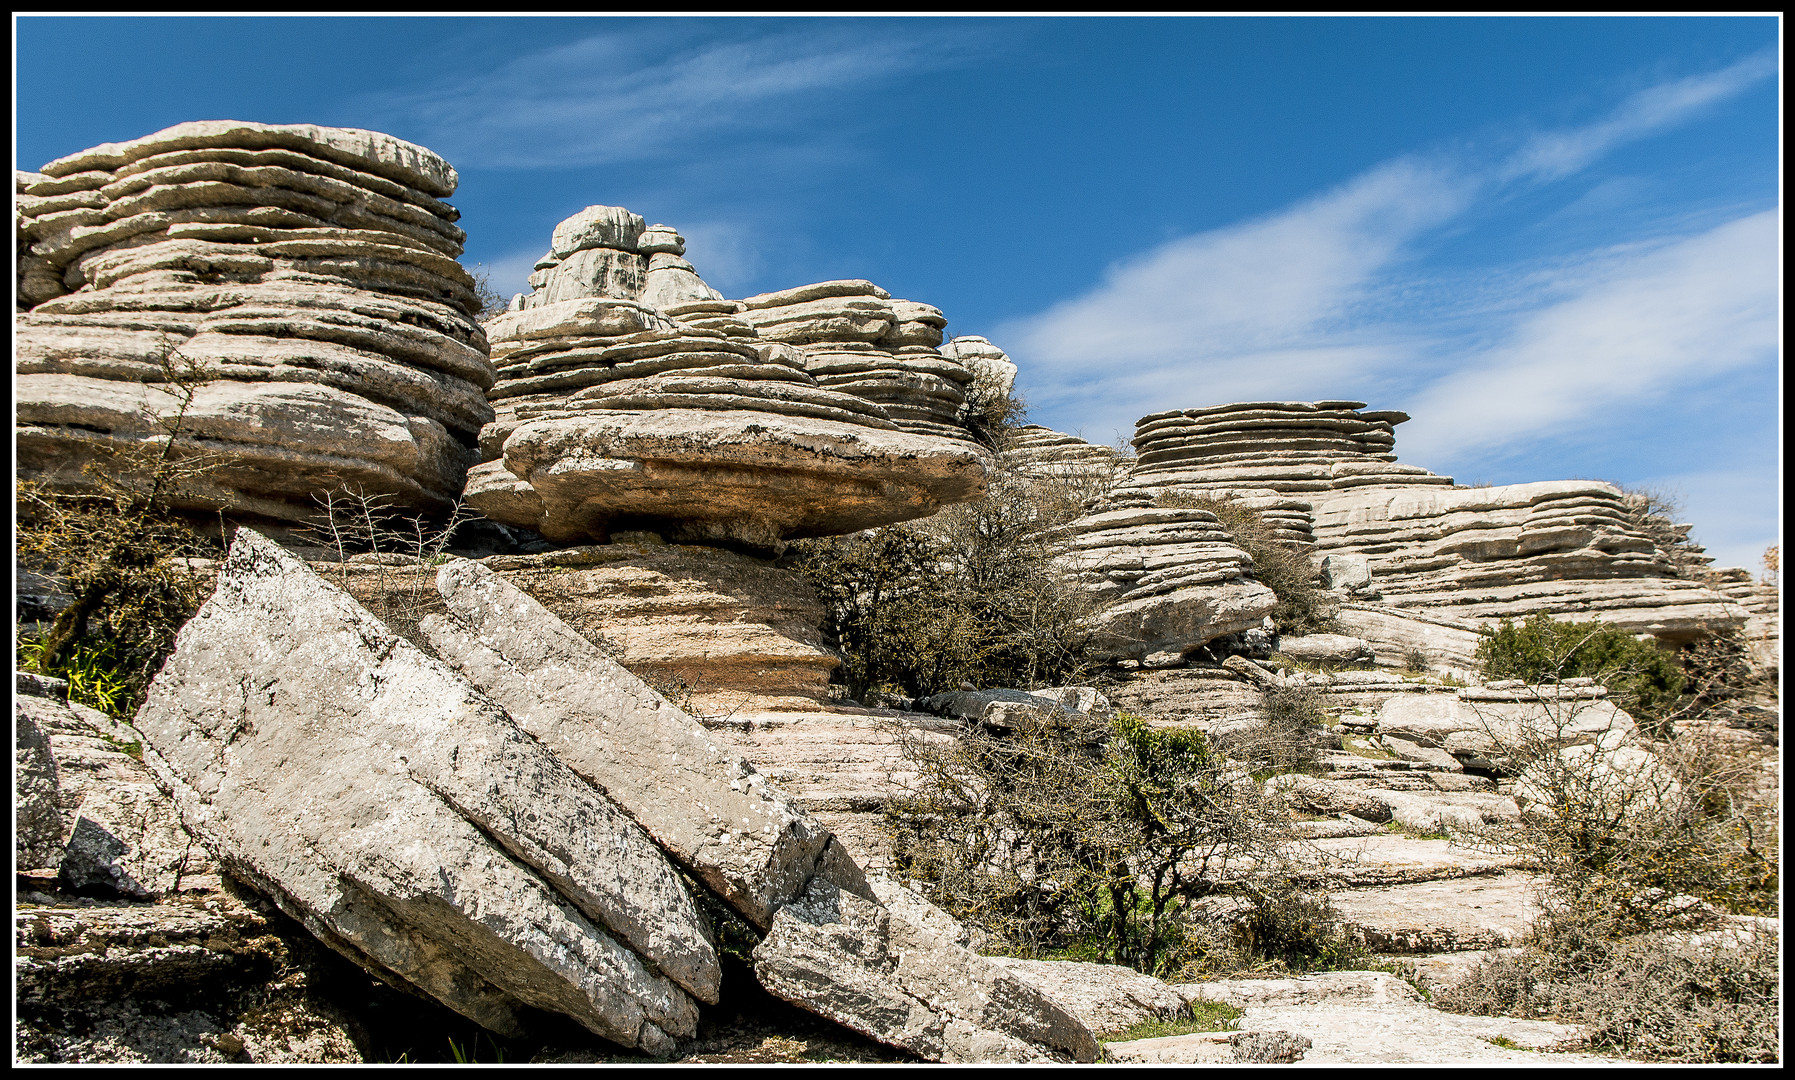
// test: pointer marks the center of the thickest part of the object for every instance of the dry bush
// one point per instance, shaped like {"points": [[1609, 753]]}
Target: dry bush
{"points": [[1290, 738], [1073, 835], [1665, 996], [1304, 607], [118, 551]]}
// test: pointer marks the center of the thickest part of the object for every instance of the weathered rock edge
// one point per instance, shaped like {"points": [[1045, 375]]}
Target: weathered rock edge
{"points": [[407, 821]]}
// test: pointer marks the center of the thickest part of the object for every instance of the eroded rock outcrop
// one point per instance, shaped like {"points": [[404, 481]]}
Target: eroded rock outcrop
{"points": [[854, 338], [689, 420], [299, 282], [1043, 453], [1161, 579], [1565, 547]]}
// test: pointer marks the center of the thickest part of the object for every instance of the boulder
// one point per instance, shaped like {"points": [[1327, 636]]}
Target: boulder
{"points": [[1160, 580], [408, 821], [286, 295], [1106, 997], [1326, 649], [122, 837], [849, 959], [1318, 796]]}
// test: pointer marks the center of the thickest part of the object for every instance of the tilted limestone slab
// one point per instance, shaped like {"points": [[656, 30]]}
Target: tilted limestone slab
{"points": [[408, 821], [830, 947], [848, 958], [702, 802]]}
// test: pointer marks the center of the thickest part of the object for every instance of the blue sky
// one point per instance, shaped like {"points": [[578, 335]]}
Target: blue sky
{"points": [[1556, 242]]}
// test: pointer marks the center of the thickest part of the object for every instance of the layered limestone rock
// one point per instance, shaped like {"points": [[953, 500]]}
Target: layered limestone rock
{"points": [[1160, 580], [993, 372], [1043, 453], [856, 339], [617, 415], [1564, 547], [408, 821], [731, 631], [1761, 601], [288, 295]]}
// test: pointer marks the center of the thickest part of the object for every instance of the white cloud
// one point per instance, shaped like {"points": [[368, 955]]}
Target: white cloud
{"points": [[1552, 155], [726, 254], [1687, 311], [1322, 300], [639, 96], [1257, 309]]}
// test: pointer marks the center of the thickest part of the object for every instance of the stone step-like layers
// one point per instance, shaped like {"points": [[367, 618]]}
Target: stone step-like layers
{"points": [[1324, 475], [691, 421], [304, 279]]}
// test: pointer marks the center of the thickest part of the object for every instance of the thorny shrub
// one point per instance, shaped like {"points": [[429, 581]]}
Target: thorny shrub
{"points": [[1290, 737]]}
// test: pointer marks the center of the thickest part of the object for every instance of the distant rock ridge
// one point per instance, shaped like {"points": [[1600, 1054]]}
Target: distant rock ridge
{"points": [[1565, 547], [302, 279]]}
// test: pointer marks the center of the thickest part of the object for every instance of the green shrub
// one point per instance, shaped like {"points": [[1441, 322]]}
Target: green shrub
{"points": [[970, 595], [1075, 836], [1643, 679]]}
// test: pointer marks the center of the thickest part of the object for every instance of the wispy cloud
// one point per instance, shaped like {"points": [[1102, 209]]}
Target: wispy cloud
{"points": [[1691, 309], [1329, 299], [1551, 155], [638, 95]]}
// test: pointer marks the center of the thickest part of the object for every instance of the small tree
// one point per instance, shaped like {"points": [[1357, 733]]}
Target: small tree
{"points": [[1067, 831]]}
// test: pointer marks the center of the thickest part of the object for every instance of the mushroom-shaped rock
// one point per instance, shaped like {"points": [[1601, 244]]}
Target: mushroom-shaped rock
{"points": [[287, 296], [613, 413]]}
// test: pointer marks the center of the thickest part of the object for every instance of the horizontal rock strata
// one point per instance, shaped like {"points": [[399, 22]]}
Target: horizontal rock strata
{"points": [[1160, 580], [300, 282], [1564, 547], [613, 414], [854, 338], [1044, 453], [731, 631]]}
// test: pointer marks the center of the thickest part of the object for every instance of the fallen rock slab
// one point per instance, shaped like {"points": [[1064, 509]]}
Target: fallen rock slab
{"points": [[407, 821], [1457, 915], [1107, 997], [831, 946], [848, 959]]}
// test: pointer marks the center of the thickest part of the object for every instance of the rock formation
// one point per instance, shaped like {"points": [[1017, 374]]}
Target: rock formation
{"points": [[689, 420], [495, 830], [1565, 547], [288, 295], [1763, 621], [993, 372], [856, 339], [1161, 580], [1043, 453]]}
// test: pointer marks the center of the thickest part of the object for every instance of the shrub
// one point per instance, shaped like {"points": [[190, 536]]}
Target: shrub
{"points": [[1303, 607], [1644, 680], [970, 595], [1656, 997], [1074, 835], [1291, 735]]}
